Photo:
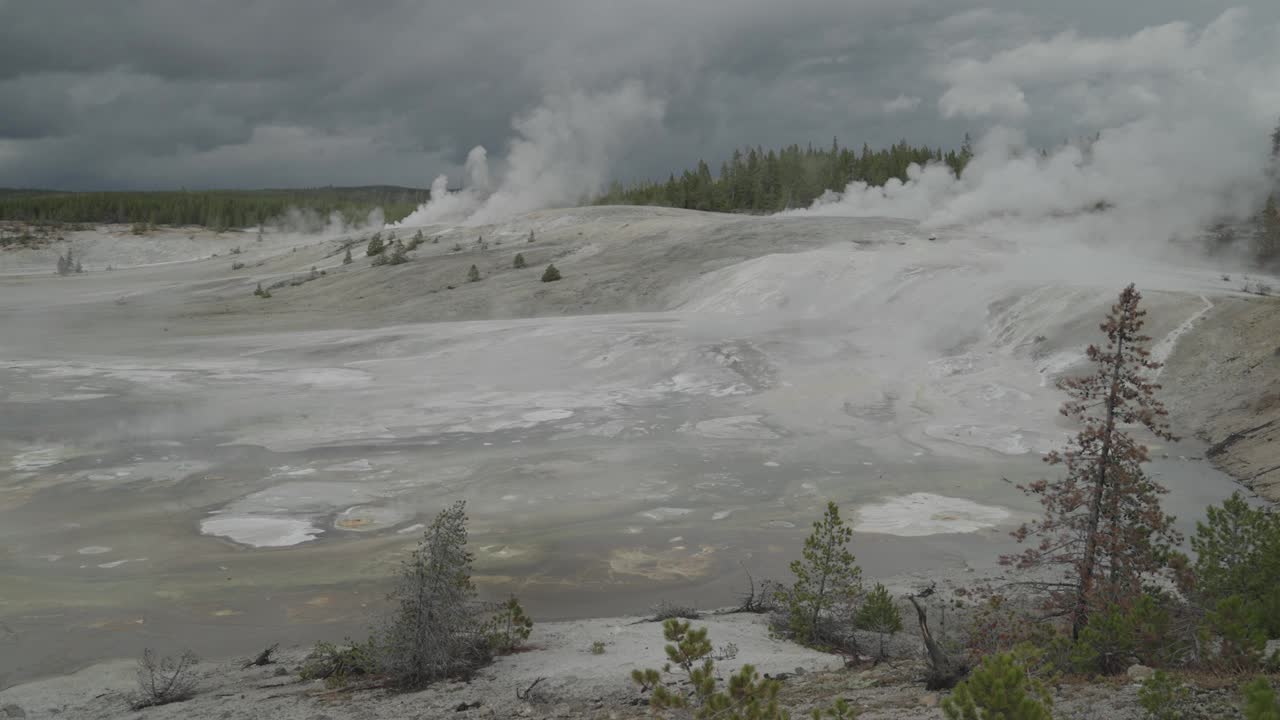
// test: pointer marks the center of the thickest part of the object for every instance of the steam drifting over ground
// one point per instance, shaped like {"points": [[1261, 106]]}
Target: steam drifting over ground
{"points": [[563, 153]]}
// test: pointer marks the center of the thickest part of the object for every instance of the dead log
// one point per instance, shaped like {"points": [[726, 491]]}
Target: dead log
{"points": [[944, 672], [263, 658]]}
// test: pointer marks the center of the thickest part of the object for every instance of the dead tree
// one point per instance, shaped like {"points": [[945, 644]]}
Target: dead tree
{"points": [[263, 658], [944, 672]]}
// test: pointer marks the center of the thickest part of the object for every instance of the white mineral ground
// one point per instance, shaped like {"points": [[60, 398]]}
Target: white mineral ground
{"points": [[181, 460]]}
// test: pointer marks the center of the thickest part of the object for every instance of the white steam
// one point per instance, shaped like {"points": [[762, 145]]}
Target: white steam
{"points": [[1183, 120], [306, 221], [562, 153]]}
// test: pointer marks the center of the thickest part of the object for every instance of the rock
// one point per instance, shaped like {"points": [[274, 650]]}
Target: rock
{"points": [[1138, 673], [929, 700], [13, 711], [799, 671]]}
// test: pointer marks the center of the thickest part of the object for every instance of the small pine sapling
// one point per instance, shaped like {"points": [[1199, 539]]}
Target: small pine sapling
{"points": [[509, 627], [473, 274], [879, 615], [1260, 701], [519, 261], [1163, 697], [551, 274], [827, 577], [1001, 688]]}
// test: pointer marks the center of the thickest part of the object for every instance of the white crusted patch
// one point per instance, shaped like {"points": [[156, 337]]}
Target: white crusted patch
{"points": [[920, 514], [261, 530]]}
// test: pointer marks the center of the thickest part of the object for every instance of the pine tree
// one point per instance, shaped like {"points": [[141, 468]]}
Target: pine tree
{"points": [[473, 275], [530, 235], [551, 274], [1267, 247], [1103, 526], [827, 576], [1275, 143], [434, 630], [398, 254], [1237, 550], [61, 268], [879, 615], [346, 259], [375, 246], [519, 261]]}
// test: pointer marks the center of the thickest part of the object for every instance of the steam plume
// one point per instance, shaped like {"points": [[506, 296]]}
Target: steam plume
{"points": [[562, 152], [1183, 118]]}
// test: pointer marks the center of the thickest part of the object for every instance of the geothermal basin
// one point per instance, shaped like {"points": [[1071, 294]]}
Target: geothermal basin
{"points": [[183, 464]]}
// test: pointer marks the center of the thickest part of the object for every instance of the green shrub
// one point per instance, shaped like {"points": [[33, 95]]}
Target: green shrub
{"points": [[551, 274], [375, 246], [1260, 701], [1240, 642], [508, 628], [473, 275], [1001, 688], [879, 615], [745, 697], [828, 580], [1115, 638], [1237, 551], [1163, 697], [260, 292], [417, 240], [519, 261], [597, 648], [338, 665]]}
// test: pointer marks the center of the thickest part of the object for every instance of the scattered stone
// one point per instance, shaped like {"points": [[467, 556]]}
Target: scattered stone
{"points": [[799, 670], [463, 707], [1138, 673]]}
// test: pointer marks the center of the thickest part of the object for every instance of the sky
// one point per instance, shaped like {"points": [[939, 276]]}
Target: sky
{"points": [[156, 94]]}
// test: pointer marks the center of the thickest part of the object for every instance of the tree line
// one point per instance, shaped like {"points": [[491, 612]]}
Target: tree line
{"points": [[216, 209], [765, 181]]}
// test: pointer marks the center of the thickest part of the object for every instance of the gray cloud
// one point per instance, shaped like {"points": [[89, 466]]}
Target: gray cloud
{"points": [[153, 93]]}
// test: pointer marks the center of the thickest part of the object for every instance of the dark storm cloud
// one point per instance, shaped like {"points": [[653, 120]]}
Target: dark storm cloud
{"points": [[155, 93]]}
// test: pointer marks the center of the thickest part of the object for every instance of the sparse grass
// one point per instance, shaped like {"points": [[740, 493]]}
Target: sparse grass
{"points": [[336, 666], [597, 647], [164, 680], [664, 611]]}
